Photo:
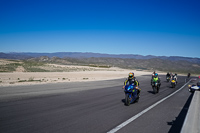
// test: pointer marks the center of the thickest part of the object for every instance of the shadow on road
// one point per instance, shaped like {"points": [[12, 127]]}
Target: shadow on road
{"points": [[178, 122], [123, 101], [151, 92]]}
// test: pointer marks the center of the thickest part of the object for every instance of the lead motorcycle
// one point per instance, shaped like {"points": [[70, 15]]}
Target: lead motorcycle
{"points": [[131, 94], [155, 87]]}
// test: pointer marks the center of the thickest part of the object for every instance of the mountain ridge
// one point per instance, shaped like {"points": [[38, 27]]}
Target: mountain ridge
{"points": [[28, 55]]}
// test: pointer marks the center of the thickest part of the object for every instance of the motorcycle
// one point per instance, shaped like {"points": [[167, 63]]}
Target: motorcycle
{"points": [[131, 94], [168, 78], [155, 87], [173, 83], [193, 88]]}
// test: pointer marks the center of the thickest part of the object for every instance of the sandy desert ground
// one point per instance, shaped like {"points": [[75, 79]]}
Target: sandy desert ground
{"points": [[31, 78]]}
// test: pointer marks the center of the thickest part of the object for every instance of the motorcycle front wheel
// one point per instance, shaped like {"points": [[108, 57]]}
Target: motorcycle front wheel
{"points": [[154, 90], [127, 100], [158, 89], [137, 99], [173, 85]]}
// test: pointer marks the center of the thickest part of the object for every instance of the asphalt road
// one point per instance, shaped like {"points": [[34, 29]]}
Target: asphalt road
{"points": [[91, 107]]}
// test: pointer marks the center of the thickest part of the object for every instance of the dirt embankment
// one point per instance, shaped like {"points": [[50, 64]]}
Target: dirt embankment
{"points": [[20, 75], [28, 78]]}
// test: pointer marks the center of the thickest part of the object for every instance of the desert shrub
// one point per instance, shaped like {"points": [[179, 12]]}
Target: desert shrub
{"points": [[31, 79], [22, 81], [9, 67]]}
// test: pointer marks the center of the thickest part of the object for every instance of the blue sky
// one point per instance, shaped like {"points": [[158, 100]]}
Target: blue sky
{"points": [[145, 27]]}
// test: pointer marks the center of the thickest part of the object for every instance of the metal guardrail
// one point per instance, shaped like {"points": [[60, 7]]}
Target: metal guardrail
{"points": [[192, 120]]}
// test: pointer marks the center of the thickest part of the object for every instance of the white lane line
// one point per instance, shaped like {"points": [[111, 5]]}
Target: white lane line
{"points": [[144, 111]]}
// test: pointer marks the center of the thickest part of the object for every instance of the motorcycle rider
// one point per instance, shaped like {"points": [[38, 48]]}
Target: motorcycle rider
{"points": [[168, 74], [174, 77], [132, 80], [175, 74], [156, 79], [153, 74], [188, 75]]}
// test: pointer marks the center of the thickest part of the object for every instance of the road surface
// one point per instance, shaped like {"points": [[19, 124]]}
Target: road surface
{"points": [[91, 107]]}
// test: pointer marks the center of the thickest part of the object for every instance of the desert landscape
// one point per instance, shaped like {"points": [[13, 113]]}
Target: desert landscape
{"points": [[45, 70], [31, 78], [69, 73]]}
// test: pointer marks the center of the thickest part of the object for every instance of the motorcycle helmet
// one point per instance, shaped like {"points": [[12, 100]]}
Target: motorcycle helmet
{"points": [[130, 75], [156, 75]]}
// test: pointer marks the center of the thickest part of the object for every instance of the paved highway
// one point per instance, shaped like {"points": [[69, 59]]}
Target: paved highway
{"points": [[89, 107]]}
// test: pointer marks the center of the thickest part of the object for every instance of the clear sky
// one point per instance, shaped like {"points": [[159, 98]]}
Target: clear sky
{"points": [[145, 27]]}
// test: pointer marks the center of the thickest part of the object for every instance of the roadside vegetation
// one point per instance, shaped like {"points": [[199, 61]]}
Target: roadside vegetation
{"points": [[31, 79], [9, 67], [44, 65]]}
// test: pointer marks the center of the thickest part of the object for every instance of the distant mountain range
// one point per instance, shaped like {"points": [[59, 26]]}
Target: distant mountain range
{"points": [[130, 61], [79, 55]]}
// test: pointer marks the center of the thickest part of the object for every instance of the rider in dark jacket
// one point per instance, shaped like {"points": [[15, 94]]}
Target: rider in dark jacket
{"points": [[188, 75], [168, 74]]}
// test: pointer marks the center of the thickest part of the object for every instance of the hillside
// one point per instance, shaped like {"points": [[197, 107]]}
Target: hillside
{"points": [[27, 63], [139, 64], [44, 64], [96, 55]]}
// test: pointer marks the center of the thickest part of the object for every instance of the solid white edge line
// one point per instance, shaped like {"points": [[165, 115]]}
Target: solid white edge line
{"points": [[144, 111]]}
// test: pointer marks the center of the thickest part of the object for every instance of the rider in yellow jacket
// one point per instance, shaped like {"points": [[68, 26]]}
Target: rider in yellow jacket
{"points": [[156, 79], [132, 80]]}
